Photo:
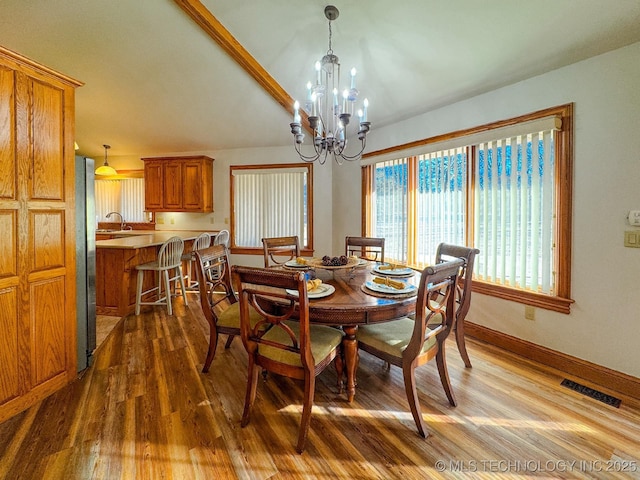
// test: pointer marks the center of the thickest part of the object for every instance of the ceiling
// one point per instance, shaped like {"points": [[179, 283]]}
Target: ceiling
{"points": [[155, 83]]}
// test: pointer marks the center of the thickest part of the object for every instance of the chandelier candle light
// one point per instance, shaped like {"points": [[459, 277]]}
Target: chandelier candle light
{"points": [[329, 110]]}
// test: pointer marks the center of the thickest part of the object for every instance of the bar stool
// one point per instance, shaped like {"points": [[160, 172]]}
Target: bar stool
{"points": [[202, 241], [169, 262], [222, 238]]}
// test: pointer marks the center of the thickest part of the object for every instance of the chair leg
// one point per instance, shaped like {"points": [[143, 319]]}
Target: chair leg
{"points": [[412, 397], [167, 286], [184, 290], [139, 291], [309, 390], [229, 340], [339, 366], [441, 361], [252, 383], [462, 347], [211, 352]]}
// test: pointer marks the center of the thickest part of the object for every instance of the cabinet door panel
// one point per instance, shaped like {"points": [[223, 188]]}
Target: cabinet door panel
{"points": [[8, 244], [173, 185], [48, 152], [48, 330], [192, 198], [153, 186], [7, 135], [48, 244], [9, 358]]}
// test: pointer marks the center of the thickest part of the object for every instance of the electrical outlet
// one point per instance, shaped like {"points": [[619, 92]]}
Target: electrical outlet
{"points": [[226, 220], [172, 220], [160, 220], [529, 312]]}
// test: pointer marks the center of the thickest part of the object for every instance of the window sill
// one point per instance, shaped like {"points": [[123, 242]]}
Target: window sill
{"points": [[547, 302]]}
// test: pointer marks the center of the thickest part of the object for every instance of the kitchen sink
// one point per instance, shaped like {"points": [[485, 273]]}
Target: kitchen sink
{"points": [[106, 230]]}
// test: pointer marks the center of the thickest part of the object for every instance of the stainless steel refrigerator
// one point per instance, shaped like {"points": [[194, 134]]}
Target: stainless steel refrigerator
{"points": [[85, 261]]}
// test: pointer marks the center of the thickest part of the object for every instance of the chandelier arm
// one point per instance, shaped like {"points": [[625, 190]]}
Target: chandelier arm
{"points": [[357, 156], [309, 158]]}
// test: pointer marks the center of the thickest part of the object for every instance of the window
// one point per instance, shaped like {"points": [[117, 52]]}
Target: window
{"points": [[504, 188], [271, 201], [124, 195]]}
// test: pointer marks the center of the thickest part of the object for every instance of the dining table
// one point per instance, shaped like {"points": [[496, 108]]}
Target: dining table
{"points": [[354, 299]]}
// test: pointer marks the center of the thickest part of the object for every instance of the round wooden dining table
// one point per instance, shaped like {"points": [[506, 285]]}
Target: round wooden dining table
{"points": [[350, 305]]}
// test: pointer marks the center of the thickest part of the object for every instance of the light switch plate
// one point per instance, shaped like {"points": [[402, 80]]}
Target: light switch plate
{"points": [[632, 238]]}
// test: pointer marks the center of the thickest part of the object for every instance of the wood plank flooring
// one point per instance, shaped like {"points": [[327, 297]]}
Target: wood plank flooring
{"points": [[145, 411]]}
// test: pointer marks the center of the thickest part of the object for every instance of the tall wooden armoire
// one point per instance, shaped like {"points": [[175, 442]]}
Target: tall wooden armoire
{"points": [[37, 232]]}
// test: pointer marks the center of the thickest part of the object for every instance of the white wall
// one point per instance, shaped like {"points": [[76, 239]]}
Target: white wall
{"points": [[604, 324]]}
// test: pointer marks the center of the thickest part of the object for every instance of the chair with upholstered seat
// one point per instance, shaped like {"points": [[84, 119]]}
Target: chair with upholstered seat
{"points": [[168, 266], [411, 342], [279, 250], [292, 348], [217, 298], [463, 298], [201, 241], [369, 248]]}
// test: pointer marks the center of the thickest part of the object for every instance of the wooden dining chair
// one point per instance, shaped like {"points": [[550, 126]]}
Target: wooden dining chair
{"points": [[409, 343], [463, 291], [279, 250], [288, 347], [217, 298], [168, 267], [369, 248]]}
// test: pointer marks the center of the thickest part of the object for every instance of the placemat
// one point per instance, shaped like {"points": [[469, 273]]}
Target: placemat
{"points": [[392, 296]]}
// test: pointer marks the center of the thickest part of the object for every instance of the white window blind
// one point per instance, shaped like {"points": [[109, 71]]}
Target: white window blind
{"points": [[440, 202], [389, 202], [269, 203], [514, 211], [125, 196]]}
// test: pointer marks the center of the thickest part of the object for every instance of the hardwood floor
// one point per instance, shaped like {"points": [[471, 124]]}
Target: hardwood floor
{"points": [[104, 325], [144, 410]]}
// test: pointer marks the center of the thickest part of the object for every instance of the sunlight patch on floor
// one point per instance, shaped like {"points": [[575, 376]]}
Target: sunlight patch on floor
{"points": [[449, 419]]}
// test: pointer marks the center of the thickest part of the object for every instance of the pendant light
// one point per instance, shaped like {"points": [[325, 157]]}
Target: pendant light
{"points": [[106, 169]]}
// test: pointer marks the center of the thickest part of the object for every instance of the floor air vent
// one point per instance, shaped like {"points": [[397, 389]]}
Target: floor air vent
{"points": [[590, 392]]}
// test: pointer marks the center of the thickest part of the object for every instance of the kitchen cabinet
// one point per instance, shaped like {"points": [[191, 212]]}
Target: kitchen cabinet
{"points": [[37, 233], [178, 184]]}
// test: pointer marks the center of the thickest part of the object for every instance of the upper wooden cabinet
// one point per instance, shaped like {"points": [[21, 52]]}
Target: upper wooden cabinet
{"points": [[178, 184]]}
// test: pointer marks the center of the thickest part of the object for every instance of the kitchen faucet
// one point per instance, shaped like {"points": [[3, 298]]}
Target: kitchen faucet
{"points": [[121, 218]]}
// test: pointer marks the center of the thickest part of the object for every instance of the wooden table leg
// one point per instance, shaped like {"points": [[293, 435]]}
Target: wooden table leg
{"points": [[350, 350]]}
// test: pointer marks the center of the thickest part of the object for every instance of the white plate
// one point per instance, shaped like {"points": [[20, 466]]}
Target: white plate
{"points": [[377, 287], [295, 264], [324, 290], [396, 271]]}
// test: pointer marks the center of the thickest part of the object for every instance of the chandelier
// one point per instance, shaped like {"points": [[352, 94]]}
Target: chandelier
{"points": [[329, 110]]}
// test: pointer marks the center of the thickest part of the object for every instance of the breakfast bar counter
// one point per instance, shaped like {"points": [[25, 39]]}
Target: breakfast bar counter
{"points": [[116, 261]]}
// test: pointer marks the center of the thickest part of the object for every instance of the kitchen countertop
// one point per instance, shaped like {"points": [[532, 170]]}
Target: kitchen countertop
{"points": [[132, 239]]}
